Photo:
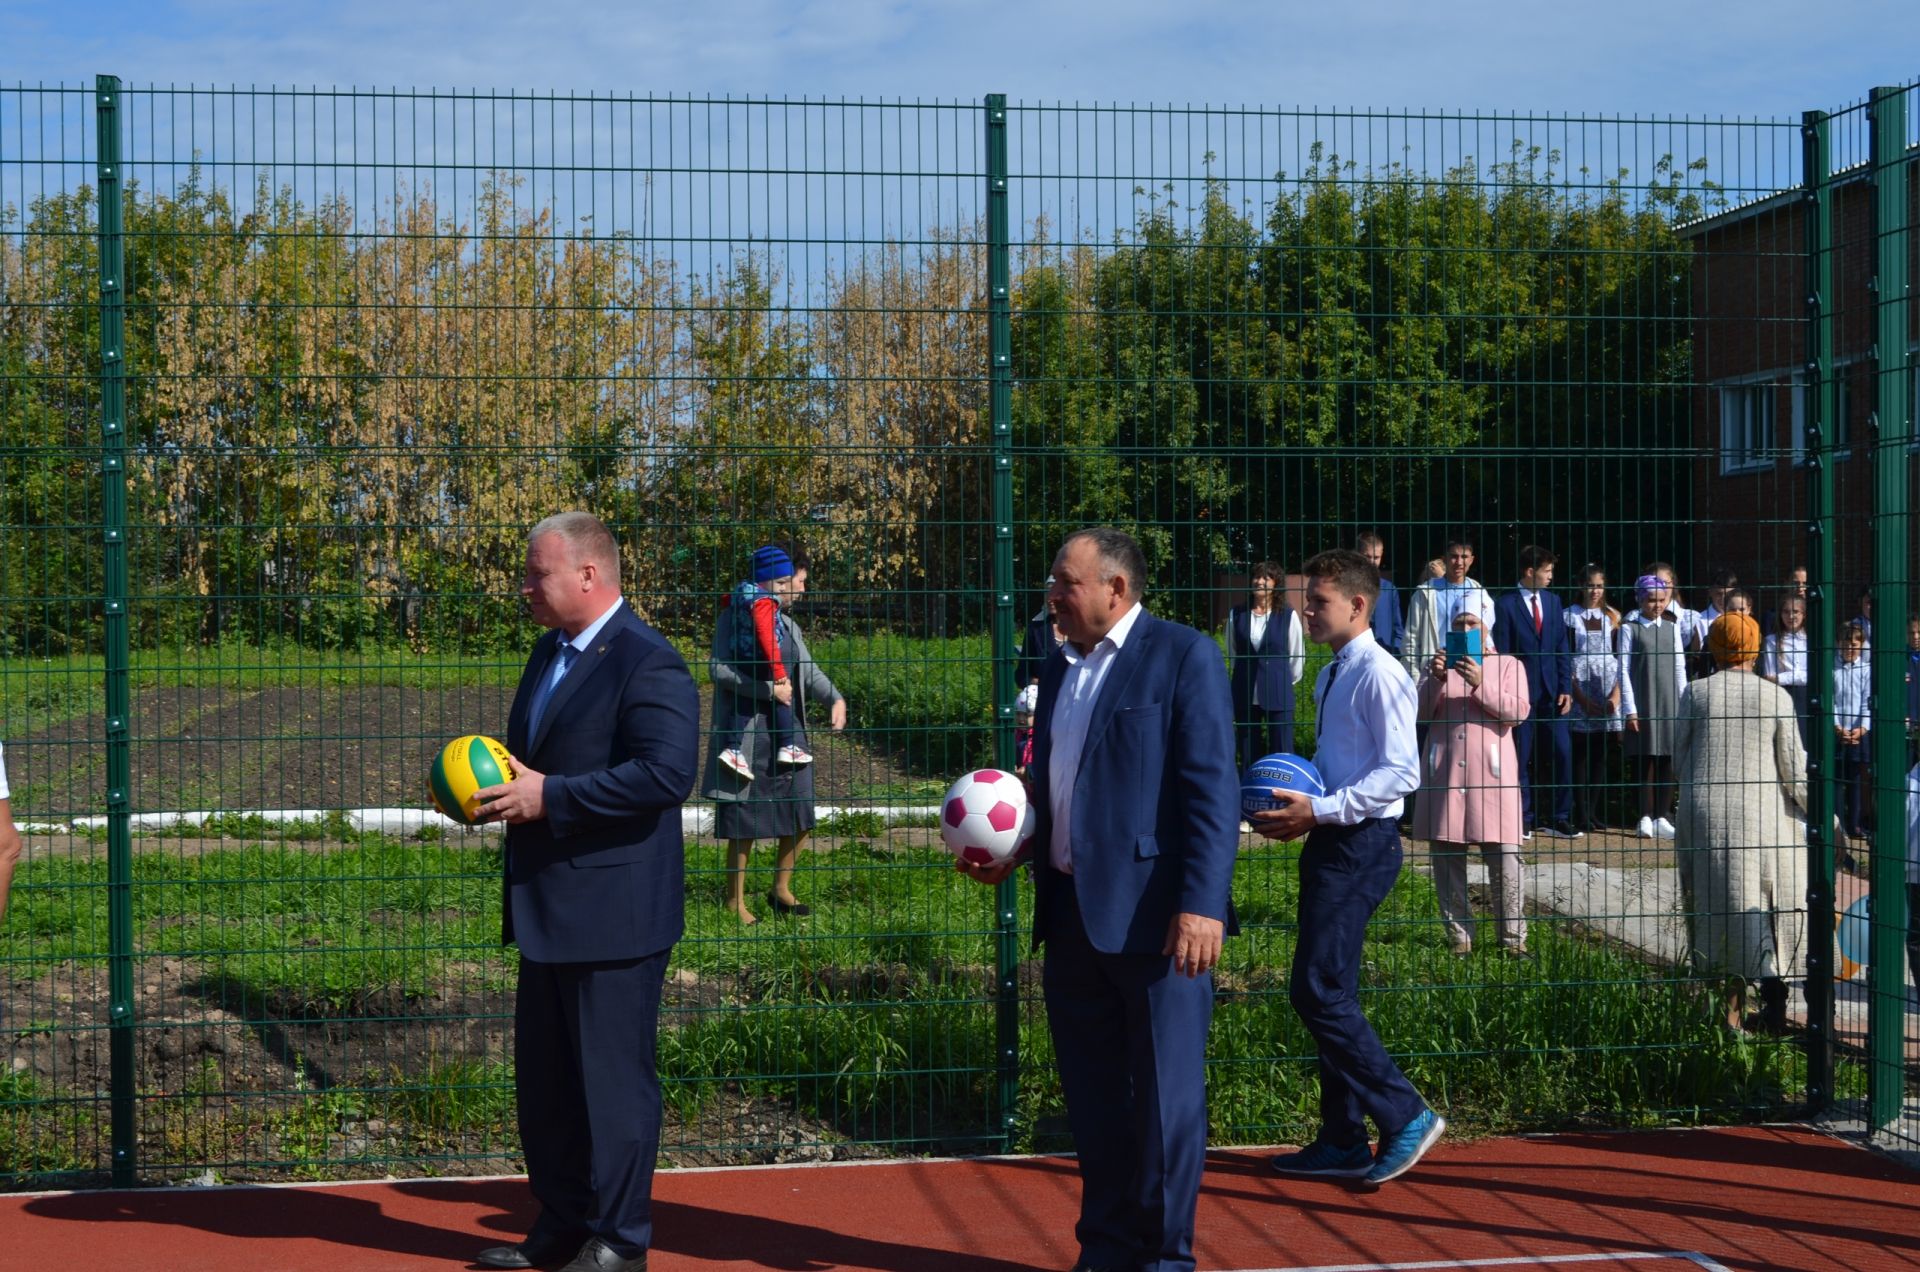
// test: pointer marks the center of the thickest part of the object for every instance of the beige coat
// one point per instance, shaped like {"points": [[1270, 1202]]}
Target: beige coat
{"points": [[1742, 833]]}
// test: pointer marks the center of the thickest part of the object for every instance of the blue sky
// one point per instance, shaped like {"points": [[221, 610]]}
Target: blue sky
{"points": [[1768, 58]]}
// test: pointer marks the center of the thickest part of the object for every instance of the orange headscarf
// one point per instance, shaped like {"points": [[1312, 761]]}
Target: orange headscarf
{"points": [[1734, 640]]}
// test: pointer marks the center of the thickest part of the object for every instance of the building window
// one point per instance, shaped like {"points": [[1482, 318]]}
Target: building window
{"points": [[1746, 427]]}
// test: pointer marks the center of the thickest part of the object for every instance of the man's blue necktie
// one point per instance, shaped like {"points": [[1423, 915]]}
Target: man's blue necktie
{"points": [[562, 659]]}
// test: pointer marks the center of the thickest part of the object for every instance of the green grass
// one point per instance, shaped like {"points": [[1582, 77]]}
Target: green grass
{"points": [[873, 1015], [44, 1132]]}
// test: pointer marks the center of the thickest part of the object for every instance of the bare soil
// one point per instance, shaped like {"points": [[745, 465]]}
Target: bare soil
{"points": [[311, 747], [230, 1079]]}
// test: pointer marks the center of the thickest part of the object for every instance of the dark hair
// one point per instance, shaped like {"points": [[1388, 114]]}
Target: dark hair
{"points": [[1457, 542], [1347, 570], [1853, 629], [1268, 570], [1368, 539], [1733, 594], [1533, 556], [1721, 577], [795, 553], [1119, 554], [1590, 569]]}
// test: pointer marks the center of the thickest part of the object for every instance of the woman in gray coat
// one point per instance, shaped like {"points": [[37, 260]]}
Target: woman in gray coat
{"points": [[778, 802]]}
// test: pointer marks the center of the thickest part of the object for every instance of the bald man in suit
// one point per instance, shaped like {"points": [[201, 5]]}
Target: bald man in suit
{"points": [[607, 720]]}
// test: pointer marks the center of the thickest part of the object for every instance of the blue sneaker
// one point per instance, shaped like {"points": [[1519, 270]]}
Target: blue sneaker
{"points": [[1324, 1160], [1406, 1146]]}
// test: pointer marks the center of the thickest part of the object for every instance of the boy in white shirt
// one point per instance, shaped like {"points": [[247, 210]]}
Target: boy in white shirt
{"points": [[1351, 857]]}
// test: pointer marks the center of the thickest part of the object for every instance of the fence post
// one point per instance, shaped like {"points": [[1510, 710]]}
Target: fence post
{"points": [[111, 188], [1817, 163], [1893, 430], [1000, 412]]}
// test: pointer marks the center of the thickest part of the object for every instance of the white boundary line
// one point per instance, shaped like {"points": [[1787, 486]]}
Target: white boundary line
{"points": [[1514, 1261], [695, 818]]}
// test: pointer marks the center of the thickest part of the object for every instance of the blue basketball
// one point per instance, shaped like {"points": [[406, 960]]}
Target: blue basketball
{"points": [[1281, 770], [1855, 931]]}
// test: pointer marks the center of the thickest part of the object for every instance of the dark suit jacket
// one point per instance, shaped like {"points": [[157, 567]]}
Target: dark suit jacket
{"points": [[601, 877], [1548, 657], [1035, 647], [1389, 625], [1156, 803]]}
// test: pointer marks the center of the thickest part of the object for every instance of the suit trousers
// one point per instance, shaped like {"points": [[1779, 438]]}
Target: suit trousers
{"points": [[1544, 747], [1345, 873], [1263, 733], [1130, 1037], [589, 1096]]}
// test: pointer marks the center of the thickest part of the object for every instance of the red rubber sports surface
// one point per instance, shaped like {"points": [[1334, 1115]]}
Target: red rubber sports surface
{"points": [[1758, 1198]]}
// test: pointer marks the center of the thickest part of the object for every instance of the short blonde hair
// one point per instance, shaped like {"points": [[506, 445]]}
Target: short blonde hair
{"points": [[587, 535]]}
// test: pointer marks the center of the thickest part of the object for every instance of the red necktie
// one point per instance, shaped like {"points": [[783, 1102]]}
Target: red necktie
{"points": [[1535, 602]]}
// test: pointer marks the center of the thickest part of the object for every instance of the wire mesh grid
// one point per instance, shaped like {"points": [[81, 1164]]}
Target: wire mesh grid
{"points": [[371, 337]]}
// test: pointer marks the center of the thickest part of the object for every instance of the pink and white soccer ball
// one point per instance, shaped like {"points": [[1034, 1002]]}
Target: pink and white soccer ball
{"points": [[985, 816]]}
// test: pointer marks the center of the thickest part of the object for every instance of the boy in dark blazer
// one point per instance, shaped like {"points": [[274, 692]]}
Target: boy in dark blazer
{"points": [[1533, 627]]}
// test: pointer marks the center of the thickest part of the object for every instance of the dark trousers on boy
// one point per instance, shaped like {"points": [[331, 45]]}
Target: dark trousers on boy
{"points": [[1345, 873]]}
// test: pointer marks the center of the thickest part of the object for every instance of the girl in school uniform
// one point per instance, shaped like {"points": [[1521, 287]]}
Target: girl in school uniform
{"points": [[1654, 660], [1783, 657], [1596, 718]]}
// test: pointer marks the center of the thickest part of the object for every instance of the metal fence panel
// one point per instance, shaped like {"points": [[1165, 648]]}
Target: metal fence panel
{"points": [[371, 337]]}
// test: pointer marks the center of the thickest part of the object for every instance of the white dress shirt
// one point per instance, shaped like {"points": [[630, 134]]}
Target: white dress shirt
{"points": [[1366, 755], [1530, 605], [1913, 827], [1783, 656], [1693, 632], [4, 792], [1256, 631], [1449, 600], [1067, 729], [581, 644], [1852, 693], [1678, 668]]}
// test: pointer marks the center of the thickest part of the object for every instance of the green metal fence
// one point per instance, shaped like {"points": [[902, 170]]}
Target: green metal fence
{"points": [[285, 376]]}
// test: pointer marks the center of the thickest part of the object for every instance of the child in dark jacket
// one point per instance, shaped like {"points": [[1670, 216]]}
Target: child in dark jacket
{"points": [[753, 650]]}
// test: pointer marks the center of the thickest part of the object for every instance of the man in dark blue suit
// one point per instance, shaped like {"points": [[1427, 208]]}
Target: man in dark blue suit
{"points": [[1533, 627], [1389, 624], [607, 719], [1138, 807]]}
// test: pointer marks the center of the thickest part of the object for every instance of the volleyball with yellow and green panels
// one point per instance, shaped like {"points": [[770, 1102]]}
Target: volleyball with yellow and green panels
{"points": [[465, 765]]}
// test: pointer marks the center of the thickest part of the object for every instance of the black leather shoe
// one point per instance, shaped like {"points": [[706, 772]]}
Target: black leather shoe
{"points": [[534, 1252], [598, 1256], [798, 909]]}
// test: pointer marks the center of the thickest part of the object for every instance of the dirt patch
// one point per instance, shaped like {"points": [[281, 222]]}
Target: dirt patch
{"points": [[313, 747], [259, 1087]]}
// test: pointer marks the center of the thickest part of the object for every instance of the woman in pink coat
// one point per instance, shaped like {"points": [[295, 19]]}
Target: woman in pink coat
{"points": [[1470, 784]]}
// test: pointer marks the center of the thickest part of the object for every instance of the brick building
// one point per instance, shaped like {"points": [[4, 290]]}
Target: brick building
{"points": [[1749, 306]]}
